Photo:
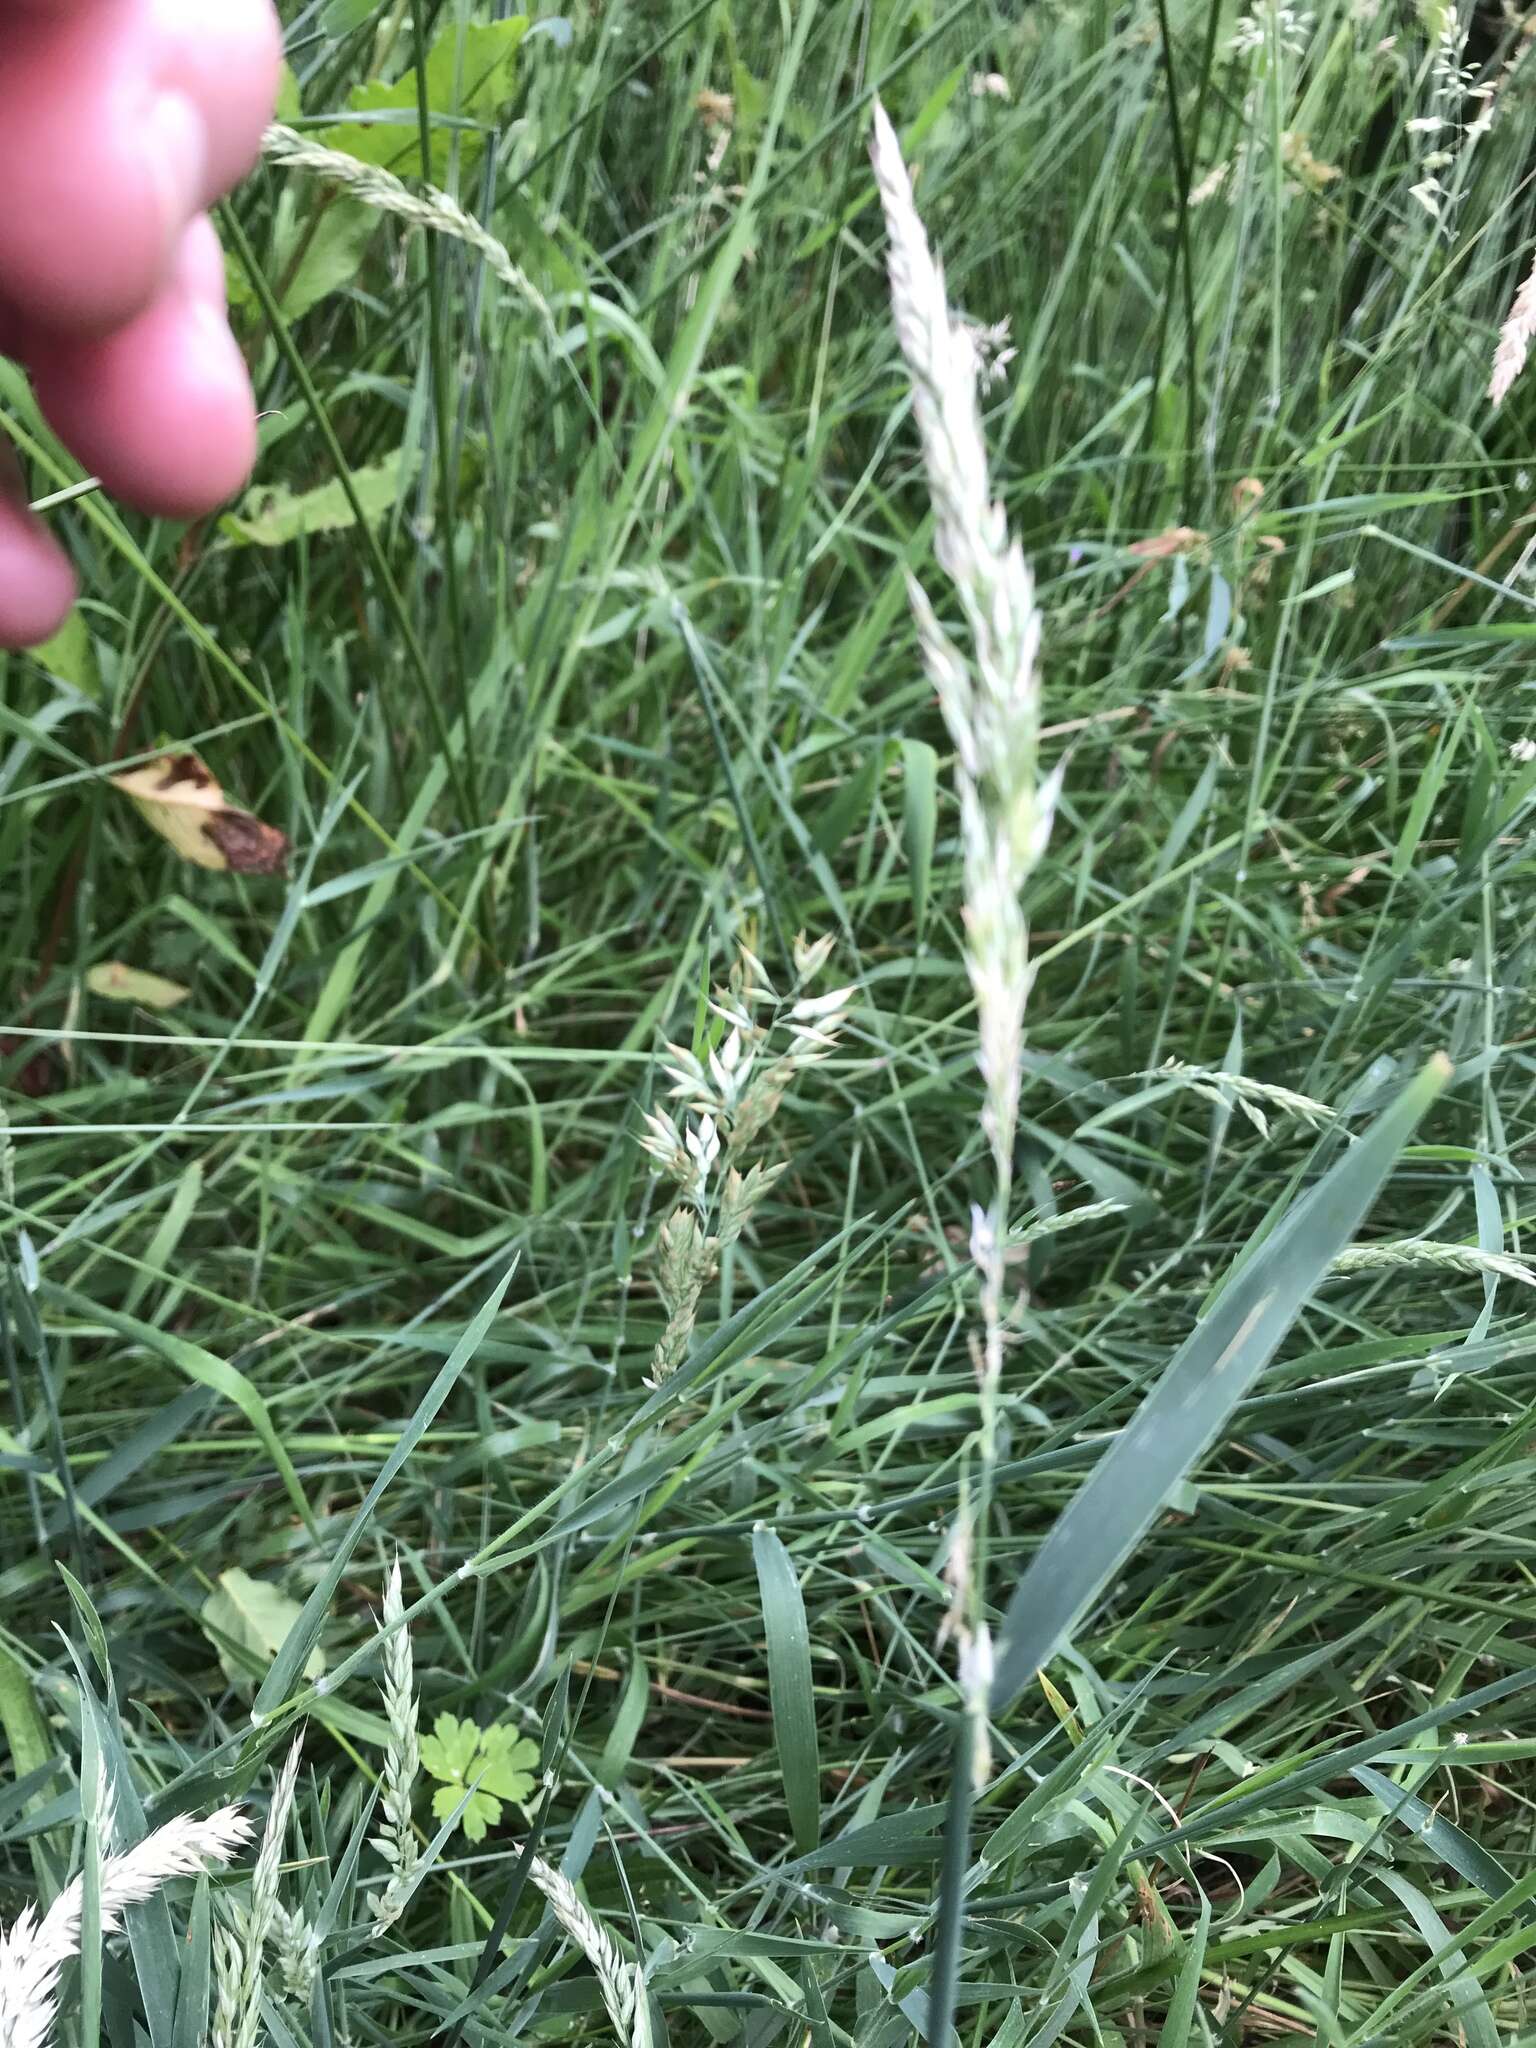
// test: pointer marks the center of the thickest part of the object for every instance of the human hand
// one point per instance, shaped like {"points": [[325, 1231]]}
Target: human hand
{"points": [[121, 121]]}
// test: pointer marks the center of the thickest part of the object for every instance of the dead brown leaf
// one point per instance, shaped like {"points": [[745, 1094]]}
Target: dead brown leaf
{"points": [[178, 797]]}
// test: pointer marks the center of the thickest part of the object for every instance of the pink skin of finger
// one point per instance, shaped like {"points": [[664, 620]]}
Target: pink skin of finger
{"points": [[122, 121], [37, 585], [161, 409]]}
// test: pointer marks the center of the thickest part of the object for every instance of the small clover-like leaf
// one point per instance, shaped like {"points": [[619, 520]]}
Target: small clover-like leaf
{"points": [[449, 1751], [482, 1812], [489, 1764], [506, 1768]]}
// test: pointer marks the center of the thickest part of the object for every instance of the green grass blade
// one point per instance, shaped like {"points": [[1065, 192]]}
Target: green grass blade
{"points": [[302, 1637], [1209, 1375], [790, 1686], [200, 1365]]}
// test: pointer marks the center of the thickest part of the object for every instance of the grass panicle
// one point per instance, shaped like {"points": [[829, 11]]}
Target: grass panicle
{"points": [[990, 698], [396, 1839], [34, 1949]]}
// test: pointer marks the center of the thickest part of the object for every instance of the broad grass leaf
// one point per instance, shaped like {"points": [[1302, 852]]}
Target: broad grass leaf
{"points": [[1209, 1375], [919, 818], [120, 983], [1439, 1835], [255, 1614], [789, 1686], [196, 1972], [181, 800]]}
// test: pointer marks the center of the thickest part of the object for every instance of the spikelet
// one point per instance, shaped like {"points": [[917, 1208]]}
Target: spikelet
{"points": [[622, 1984], [989, 696], [34, 1951], [396, 1839], [381, 189], [1514, 340]]}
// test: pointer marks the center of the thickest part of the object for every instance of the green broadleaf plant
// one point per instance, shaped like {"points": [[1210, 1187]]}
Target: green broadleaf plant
{"points": [[494, 1765]]}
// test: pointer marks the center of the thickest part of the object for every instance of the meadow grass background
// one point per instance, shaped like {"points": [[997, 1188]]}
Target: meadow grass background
{"points": [[617, 675]]}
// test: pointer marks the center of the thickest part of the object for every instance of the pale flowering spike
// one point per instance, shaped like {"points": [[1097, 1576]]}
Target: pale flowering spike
{"points": [[812, 1008], [989, 697], [812, 955], [33, 1952], [396, 1841], [1514, 342], [622, 1984]]}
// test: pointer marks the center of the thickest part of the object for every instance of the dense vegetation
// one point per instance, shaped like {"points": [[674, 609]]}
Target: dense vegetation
{"points": [[600, 668]]}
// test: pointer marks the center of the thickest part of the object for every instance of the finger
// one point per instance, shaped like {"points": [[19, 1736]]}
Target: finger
{"points": [[37, 585], [123, 119], [161, 410], [99, 163], [228, 62]]}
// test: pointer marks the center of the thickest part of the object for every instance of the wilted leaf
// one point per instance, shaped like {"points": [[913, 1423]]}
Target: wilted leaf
{"points": [[257, 1616], [122, 984], [180, 800], [270, 516]]}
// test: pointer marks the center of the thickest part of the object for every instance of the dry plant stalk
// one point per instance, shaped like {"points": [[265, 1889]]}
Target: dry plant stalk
{"points": [[239, 1956], [33, 1951], [990, 699]]}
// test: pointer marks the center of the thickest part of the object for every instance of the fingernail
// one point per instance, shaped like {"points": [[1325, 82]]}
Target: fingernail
{"points": [[178, 158]]}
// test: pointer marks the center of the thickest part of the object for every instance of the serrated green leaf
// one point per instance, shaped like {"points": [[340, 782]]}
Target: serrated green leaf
{"points": [[471, 75], [271, 515], [508, 1775], [329, 258], [449, 1750]]}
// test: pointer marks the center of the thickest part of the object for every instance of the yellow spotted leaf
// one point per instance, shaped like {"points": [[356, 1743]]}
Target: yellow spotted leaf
{"points": [[179, 798]]}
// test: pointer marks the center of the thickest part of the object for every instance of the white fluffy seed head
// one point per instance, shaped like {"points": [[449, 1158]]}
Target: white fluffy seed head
{"points": [[1515, 338], [33, 1952]]}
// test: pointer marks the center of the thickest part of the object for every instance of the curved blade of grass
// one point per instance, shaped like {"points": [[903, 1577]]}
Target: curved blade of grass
{"points": [[1472, 2022], [204, 1368], [789, 1685], [1185, 1412], [291, 1658], [1440, 1836]]}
